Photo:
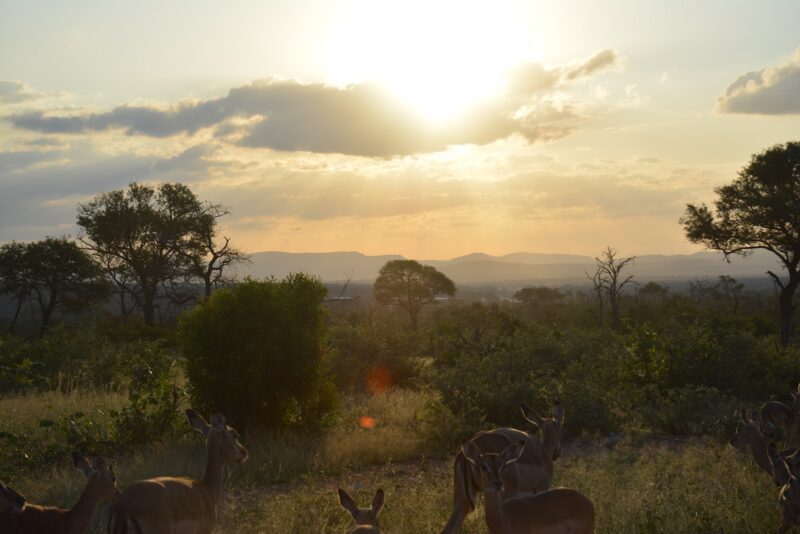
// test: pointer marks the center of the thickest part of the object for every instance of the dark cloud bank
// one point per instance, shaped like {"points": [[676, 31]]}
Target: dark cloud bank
{"points": [[358, 120]]}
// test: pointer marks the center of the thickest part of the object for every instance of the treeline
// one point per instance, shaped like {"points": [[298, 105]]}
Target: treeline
{"points": [[143, 246]]}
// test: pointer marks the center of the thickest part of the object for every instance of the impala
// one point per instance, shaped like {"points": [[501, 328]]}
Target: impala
{"points": [[366, 518], [35, 519], [554, 511], [789, 496], [180, 505], [780, 416], [10, 500], [533, 472], [748, 435]]}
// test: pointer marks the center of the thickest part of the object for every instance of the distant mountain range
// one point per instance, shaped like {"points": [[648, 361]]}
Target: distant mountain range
{"points": [[520, 267]]}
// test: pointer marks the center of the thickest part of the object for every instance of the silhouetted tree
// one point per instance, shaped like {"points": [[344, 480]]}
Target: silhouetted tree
{"points": [[759, 210], [57, 274], [608, 278], [540, 294], [599, 293], [411, 285], [731, 289], [13, 277], [218, 255], [149, 235]]}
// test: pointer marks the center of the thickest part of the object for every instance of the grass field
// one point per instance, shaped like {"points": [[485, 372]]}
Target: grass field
{"points": [[289, 484]]}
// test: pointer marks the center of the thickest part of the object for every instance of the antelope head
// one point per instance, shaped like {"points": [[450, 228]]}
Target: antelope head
{"points": [[220, 438], [492, 464], [362, 516], [549, 427], [746, 432], [101, 478]]}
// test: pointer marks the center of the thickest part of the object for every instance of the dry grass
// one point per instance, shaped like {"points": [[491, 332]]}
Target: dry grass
{"points": [[289, 485]]}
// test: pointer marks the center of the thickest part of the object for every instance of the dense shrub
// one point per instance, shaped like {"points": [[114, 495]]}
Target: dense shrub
{"points": [[372, 356], [254, 352]]}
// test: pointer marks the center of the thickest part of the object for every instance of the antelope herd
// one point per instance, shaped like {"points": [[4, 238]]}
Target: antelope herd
{"points": [[513, 469], [757, 433]]}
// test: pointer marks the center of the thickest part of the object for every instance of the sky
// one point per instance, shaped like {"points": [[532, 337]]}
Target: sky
{"points": [[429, 129]]}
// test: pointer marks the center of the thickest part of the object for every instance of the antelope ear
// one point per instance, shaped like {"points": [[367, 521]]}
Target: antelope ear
{"points": [[377, 502], [82, 464], [348, 503], [513, 452], [218, 421], [558, 414], [530, 416], [471, 452], [197, 422]]}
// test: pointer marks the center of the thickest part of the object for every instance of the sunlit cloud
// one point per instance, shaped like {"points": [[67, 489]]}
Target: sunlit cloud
{"points": [[361, 119], [769, 91]]}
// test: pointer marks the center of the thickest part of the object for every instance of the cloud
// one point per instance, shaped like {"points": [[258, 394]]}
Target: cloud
{"points": [[361, 119], [769, 91], [15, 91]]}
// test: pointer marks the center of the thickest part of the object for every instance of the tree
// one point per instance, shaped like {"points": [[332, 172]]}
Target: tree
{"points": [[13, 277], [731, 289], [411, 285], [538, 294], [218, 256], [609, 281], [760, 209], [57, 274], [146, 236]]}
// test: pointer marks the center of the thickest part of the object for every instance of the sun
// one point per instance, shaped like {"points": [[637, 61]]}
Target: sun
{"points": [[437, 56]]}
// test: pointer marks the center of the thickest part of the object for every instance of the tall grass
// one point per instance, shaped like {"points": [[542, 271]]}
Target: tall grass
{"points": [[289, 484]]}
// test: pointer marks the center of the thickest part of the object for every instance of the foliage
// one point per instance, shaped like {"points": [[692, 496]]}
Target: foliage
{"points": [[759, 210], [150, 237], [373, 356], [57, 273], [254, 352], [411, 285], [72, 359]]}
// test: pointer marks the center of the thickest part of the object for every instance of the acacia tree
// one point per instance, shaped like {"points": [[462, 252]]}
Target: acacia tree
{"points": [[149, 235], [56, 273], [760, 209], [411, 285]]}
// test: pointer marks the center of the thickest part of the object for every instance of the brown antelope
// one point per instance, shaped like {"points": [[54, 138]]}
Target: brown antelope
{"points": [[366, 518], [10, 500], [180, 505], [777, 415], [36, 519], [789, 495], [533, 472], [559, 510], [748, 435]]}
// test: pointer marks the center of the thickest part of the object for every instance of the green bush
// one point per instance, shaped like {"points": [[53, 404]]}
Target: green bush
{"points": [[254, 352], [373, 356], [71, 359]]}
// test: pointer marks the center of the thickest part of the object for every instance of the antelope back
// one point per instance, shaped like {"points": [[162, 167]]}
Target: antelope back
{"points": [[10, 500]]}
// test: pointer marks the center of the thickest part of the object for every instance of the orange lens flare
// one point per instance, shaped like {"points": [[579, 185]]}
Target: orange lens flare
{"points": [[367, 422], [379, 380]]}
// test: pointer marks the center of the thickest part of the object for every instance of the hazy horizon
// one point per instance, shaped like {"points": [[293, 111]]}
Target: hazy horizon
{"points": [[430, 130]]}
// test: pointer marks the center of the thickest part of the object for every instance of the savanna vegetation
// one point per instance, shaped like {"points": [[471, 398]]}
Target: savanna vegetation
{"points": [[382, 396]]}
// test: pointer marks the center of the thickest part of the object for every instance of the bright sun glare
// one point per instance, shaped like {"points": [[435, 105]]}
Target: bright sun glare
{"points": [[438, 56]]}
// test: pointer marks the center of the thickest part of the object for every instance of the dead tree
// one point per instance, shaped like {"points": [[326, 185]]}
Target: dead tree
{"points": [[611, 280]]}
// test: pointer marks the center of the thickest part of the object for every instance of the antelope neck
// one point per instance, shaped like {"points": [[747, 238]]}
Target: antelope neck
{"points": [[79, 516], [212, 474]]}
